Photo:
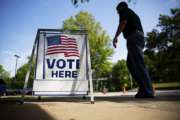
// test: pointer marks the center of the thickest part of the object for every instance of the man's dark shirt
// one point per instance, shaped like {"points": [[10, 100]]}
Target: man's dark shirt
{"points": [[133, 22]]}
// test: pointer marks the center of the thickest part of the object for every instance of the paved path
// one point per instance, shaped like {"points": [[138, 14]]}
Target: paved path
{"points": [[110, 106]]}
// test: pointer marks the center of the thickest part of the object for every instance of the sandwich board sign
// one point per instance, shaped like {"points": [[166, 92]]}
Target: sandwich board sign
{"points": [[63, 65]]}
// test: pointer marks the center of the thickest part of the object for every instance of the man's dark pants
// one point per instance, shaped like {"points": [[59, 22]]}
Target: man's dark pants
{"points": [[135, 63]]}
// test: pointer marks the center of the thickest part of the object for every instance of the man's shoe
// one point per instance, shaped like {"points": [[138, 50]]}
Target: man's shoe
{"points": [[144, 96], [138, 95]]}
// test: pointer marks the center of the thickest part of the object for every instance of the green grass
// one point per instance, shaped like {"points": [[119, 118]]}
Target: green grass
{"points": [[167, 86]]}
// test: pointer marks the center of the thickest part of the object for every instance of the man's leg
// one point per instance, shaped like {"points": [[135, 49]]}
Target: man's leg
{"points": [[135, 55], [134, 76]]}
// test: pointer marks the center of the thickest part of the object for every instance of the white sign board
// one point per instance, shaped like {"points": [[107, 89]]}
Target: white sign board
{"points": [[61, 64]]}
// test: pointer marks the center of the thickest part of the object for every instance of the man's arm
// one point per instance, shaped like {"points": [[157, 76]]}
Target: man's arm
{"points": [[120, 29]]}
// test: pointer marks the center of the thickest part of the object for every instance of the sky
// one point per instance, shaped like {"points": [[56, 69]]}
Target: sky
{"points": [[20, 19]]}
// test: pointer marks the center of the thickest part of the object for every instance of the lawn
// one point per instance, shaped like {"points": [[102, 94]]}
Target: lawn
{"points": [[167, 86]]}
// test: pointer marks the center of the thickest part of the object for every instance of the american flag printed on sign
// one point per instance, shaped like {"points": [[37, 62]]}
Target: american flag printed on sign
{"points": [[62, 44]]}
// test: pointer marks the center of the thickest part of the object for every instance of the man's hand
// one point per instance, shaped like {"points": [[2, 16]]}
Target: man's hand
{"points": [[114, 42], [120, 29]]}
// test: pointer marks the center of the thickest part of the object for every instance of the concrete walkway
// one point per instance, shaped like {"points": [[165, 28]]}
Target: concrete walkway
{"points": [[109, 106]]}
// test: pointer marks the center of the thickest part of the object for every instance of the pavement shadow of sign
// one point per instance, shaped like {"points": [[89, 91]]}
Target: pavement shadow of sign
{"points": [[63, 65]]}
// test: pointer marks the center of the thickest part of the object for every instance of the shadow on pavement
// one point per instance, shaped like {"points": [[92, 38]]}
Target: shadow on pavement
{"points": [[13, 111], [10, 109]]}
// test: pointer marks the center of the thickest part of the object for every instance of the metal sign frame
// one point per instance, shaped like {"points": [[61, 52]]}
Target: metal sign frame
{"points": [[88, 60]]}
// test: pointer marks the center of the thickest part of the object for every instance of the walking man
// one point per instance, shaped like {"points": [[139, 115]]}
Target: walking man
{"points": [[131, 27]]}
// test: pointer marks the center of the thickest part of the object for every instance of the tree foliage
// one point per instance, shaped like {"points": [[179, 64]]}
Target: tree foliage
{"points": [[163, 48], [5, 75], [120, 75], [21, 74], [99, 41], [76, 2]]}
